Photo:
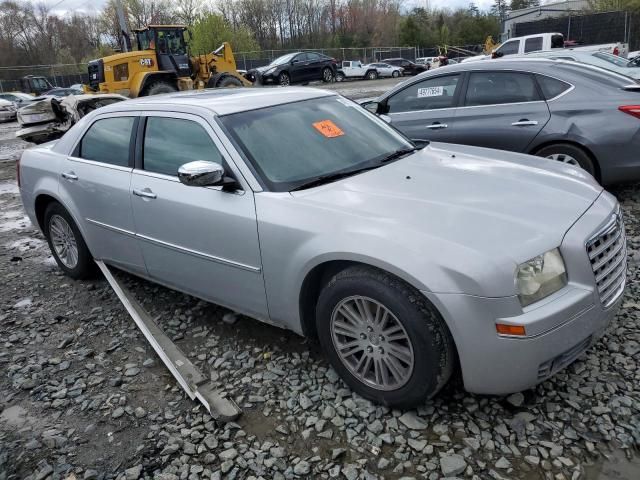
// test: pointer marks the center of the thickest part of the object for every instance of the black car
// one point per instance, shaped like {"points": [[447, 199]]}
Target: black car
{"points": [[300, 67], [409, 68]]}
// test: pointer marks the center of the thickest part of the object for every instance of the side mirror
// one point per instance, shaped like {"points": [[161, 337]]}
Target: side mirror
{"points": [[201, 174], [371, 106]]}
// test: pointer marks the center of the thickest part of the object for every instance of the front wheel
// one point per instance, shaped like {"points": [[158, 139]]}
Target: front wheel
{"points": [[569, 154], [160, 87], [383, 337], [284, 79], [372, 75], [327, 75], [66, 243], [395, 74], [339, 77]]}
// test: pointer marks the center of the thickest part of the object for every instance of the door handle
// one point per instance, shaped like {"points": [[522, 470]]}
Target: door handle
{"points": [[69, 175], [437, 126], [524, 123], [145, 193]]}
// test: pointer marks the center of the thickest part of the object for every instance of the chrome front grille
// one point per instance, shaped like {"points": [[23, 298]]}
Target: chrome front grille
{"points": [[607, 252]]}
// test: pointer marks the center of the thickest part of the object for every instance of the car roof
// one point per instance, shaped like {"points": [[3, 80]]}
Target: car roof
{"points": [[223, 101]]}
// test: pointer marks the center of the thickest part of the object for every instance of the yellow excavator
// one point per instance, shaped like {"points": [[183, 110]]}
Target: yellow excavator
{"points": [[162, 63]]}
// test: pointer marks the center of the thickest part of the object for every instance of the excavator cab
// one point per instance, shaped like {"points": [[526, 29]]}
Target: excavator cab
{"points": [[169, 43]]}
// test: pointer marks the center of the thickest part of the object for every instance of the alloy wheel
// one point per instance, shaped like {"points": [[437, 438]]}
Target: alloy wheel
{"points": [[372, 343], [564, 158], [63, 241], [284, 79], [327, 75]]}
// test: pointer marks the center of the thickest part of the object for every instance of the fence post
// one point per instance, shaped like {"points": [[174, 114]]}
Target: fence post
{"points": [[1, 89]]}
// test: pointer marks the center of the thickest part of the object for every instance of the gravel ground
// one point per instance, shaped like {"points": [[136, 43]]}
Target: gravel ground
{"points": [[82, 395]]}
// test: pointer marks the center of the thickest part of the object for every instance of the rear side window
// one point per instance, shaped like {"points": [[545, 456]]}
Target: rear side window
{"points": [[509, 48], [495, 88], [172, 142], [551, 87], [533, 44], [430, 94], [108, 141]]}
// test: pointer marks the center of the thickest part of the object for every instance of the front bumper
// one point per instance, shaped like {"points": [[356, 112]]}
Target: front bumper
{"points": [[559, 328]]}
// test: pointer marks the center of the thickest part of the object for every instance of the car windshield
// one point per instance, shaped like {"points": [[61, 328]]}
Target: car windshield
{"points": [[283, 59], [324, 136]]}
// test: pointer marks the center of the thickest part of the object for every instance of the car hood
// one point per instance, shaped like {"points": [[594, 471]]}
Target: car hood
{"points": [[499, 205]]}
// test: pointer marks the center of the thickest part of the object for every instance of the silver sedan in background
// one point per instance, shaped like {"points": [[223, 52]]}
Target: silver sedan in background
{"points": [[298, 207], [7, 111], [562, 110], [598, 59], [386, 70]]}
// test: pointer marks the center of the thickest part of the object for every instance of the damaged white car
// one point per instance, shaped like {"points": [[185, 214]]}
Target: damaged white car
{"points": [[49, 118]]}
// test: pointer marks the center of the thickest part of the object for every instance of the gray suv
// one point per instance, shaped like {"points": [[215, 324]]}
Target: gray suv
{"points": [[577, 114]]}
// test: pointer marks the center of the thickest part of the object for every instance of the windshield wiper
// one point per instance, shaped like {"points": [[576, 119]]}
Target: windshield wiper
{"points": [[332, 177], [398, 154]]}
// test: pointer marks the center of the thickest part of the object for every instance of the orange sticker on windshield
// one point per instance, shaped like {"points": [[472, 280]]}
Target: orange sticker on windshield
{"points": [[328, 129]]}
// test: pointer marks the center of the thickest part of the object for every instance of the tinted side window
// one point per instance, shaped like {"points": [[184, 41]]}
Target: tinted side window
{"points": [[533, 44], [429, 94], [493, 88], [509, 48], [551, 87], [172, 142], [300, 58], [313, 57], [107, 141]]}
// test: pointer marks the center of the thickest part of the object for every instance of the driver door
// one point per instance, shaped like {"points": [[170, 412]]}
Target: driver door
{"points": [[300, 68], [200, 240]]}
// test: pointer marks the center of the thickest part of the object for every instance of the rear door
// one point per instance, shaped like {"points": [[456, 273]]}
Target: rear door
{"points": [[315, 64], [202, 240], [501, 109], [95, 182], [426, 110]]}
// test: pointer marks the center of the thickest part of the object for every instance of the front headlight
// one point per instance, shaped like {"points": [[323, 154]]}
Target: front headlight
{"points": [[540, 277]]}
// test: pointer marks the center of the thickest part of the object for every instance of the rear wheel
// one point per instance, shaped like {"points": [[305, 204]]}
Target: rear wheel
{"points": [[229, 81], [569, 154], [284, 79], [160, 87], [372, 75], [327, 75], [66, 243], [383, 337], [339, 77]]}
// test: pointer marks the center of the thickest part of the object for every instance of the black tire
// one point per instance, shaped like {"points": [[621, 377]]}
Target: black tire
{"points": [[371, 75], [564, 151], [339, 77], [284, 79], [432, 344], [327, 75], [395, 74], [227, 81], [160, 87], [85, 266]]}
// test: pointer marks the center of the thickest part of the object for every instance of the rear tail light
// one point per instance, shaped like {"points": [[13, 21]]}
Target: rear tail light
{"points": [[633, 110], [18, 171], [616, 51]]}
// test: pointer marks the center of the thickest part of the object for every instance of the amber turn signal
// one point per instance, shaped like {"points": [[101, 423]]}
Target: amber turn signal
{"points": [[517, 330]]}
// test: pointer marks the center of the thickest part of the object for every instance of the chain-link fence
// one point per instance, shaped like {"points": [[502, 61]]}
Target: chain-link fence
{"points": [[607, 27], [57, 75], [249, 60]]}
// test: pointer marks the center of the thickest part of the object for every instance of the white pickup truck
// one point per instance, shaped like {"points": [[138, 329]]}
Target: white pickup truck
{"points": [[547, 41], [355, 69]]}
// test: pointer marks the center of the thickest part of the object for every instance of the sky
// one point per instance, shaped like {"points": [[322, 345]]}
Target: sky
{"points": [[62, 7]]}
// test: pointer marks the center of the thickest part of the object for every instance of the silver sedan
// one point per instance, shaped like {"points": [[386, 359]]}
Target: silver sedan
{"points": [[386, 70], [299, 208]]}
